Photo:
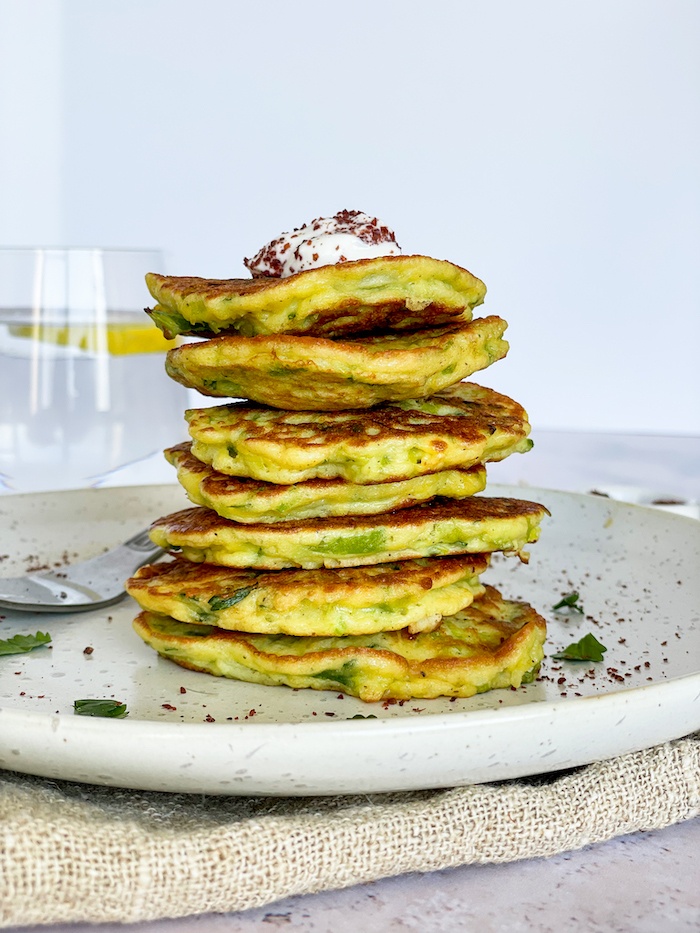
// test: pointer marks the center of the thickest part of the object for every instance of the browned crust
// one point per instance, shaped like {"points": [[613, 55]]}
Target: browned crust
{"points": [[186, 285], [191, 579], [220, 485], [201, 521], [516, 619], [340, 320], [311, 345], [335, 299], [479, 410]]}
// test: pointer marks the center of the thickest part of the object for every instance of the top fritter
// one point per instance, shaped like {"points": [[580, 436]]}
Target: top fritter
{"points": [[332, 278]]}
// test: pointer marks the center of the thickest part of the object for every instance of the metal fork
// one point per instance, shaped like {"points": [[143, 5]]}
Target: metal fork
{"points": [[89, 584]]}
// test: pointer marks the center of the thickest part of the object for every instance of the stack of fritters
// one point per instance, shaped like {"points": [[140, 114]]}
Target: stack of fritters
{"points": [[337, 541]]}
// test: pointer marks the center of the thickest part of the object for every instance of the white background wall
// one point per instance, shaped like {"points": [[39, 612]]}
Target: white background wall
{"points": [[552, 148]]}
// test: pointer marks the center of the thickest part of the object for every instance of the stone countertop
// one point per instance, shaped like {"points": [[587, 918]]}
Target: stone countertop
{"points": [[642, 883]]}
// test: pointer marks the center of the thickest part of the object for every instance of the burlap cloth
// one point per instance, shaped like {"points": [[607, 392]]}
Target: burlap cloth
{"points": [[71, 852]]}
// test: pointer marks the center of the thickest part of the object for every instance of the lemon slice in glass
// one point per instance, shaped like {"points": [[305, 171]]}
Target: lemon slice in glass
{"points": [[115, 338]]}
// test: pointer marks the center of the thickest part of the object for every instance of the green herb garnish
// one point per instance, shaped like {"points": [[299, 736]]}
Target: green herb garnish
{"points": [[111, 709], [587, 649], [570, 601], [217, 603], [20, 644]]}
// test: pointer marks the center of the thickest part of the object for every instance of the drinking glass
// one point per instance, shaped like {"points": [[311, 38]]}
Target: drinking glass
{"points": [[83, 389]]}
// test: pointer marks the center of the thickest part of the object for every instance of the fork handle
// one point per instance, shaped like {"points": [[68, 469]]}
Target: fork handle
{"points": [[121, 561]]}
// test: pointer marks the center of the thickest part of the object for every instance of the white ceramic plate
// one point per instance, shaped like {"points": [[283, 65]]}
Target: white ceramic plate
{"points": [[636, 570]]}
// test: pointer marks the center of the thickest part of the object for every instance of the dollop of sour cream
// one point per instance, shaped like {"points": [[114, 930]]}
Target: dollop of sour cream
{"points": [[346, 236]]}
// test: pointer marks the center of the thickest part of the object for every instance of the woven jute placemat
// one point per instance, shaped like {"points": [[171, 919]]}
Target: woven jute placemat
{"points": [[72, 852]]}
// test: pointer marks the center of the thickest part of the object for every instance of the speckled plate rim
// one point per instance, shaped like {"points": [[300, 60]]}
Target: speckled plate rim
{"points": [[371, 756], [390, 753]]}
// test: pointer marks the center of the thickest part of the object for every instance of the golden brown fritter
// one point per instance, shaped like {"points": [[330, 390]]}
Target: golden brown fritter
{"points": [[458, 427], [387, 292], [478, 524], [251, 500], [494, 643], [314, 373], [413, 594]]}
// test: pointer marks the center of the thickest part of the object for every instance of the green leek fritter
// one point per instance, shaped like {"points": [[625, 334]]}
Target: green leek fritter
{"points": [[388, 292], [438, 528], [412, 594], [459, 427], [315, 373], [250, 500], [494, 643]]}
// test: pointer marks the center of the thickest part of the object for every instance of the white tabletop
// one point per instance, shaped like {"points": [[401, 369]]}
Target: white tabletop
{"points": [[646, 882]]}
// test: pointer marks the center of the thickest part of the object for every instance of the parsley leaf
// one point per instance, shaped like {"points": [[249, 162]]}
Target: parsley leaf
{"points": [[19, 644], [569, 601], [112, 709], [587, 649]]}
